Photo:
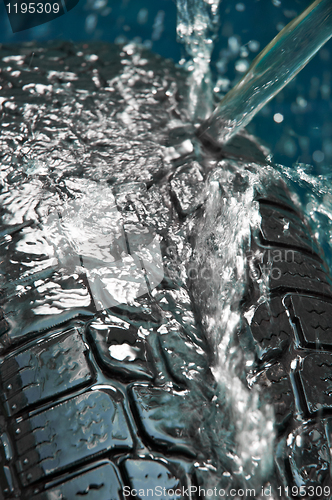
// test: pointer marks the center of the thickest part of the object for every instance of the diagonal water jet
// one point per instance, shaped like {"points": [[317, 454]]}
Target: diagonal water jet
{"points": [[270, 71]]}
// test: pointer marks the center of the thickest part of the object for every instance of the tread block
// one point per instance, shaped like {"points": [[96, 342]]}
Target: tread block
{"points": [[277, 194], [121, 348], [270, 328], [152, 207], [307, 451], [283, 227], [6, 451], [186, 188], [43, 371], [169, 419], [26, 246], [149, 478], [43, 304], [184, 360], [177, 305], [313, 321], [279, 391], [7, 482], [316, 379], [89, 424], [100, 483], [4, 325], [287, 268], [140, 311]]}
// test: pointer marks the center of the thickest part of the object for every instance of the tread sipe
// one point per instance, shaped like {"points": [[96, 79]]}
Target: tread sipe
{"points": [[98, 397]]}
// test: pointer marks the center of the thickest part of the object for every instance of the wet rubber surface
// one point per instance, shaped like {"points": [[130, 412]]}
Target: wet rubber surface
{"points": [[107, 363]]}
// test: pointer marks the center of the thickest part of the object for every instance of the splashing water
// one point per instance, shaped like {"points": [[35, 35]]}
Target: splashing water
{"points": [[315, 196], [219, 267], [74, 190], [197, 25], [231, 214], [218, 275]]}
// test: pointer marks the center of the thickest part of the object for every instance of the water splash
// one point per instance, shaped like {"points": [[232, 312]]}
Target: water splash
{"points": [[315, 196], [197, 25], [218, 277], [219, 269]]}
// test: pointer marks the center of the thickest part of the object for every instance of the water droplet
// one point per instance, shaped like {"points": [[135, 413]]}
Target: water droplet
{"points": [[120, 39], [318, 156], [290, 147], [325, 91], [142, 16], [158, 25], [91, 57], [99, 4], [241, 65], [148, 44], [240, 7], [253, 45], [289, 13], [278, 117], [301, 102], [327, 147], [234, 44], [91, 23]]}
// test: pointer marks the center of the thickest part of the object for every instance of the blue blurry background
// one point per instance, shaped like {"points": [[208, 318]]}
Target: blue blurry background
{"points": [[296, 125]]}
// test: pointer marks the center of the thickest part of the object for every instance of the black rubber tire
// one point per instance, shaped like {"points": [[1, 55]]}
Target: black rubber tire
{"points": [[76, 422]]}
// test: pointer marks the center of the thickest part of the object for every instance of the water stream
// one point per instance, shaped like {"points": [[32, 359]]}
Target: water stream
{"points": [[272, 69], [197, 27], [231, 214], [223, 237]]}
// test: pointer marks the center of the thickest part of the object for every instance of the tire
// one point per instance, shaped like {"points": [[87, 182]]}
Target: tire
{"points": [[101, 398], [290, 335]]}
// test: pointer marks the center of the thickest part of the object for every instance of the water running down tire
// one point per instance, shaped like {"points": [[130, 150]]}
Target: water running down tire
{"points": [[95, 399]]}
